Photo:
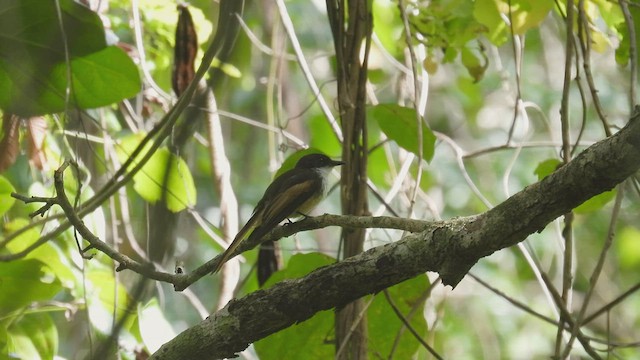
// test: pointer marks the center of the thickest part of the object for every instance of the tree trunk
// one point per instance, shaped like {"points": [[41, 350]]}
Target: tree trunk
{"points": [[351, 24]]}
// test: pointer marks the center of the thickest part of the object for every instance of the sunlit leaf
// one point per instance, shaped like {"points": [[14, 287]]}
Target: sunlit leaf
{"points": [[522, 14], [181, 190], [154, 328], [6, 201], [389, 25], [104, 295], [628, 245], [54, 260], [34, 336]]}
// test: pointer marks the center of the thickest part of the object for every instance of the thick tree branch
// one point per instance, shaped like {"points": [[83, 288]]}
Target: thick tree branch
{"points": [[450, 248]]}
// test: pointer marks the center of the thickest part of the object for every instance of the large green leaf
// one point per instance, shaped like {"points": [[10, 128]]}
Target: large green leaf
{"points": [[387, 335], [596, 203], [23, 282], [308, 337], [32, 28], [148, 181], [56, 262], [104, 294], [38, 65], [34, 336], [400, 125], [154, 327], [181, 191]]}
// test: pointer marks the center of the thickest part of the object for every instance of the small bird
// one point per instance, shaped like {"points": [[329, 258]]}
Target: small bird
{"points": [[290, 195]]}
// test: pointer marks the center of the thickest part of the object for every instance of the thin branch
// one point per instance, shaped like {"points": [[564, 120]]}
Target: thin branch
{"points": [[306, 71], [406, 323], [567, 276], [633, 52], [611, 304]]}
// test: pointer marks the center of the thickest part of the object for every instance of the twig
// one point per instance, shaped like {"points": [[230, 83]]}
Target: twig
{"points": [[49, 202], [406, 323]]}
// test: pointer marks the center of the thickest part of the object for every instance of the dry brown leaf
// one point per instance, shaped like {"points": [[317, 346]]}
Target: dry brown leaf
{"points": [[36, 134], [9, 144], [185, 51]]}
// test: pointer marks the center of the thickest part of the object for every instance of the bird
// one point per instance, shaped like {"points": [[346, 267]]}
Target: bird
{"points": [[292, 194]]}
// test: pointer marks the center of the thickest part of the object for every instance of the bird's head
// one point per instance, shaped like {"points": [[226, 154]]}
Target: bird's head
{"points": [[312, 161]]}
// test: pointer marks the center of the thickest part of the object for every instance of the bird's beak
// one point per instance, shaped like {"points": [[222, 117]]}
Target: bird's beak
{"points": [[337, 163]]}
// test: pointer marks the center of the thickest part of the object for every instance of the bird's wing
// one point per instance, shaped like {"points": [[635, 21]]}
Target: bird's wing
{"points": [[297, 190], [280, 200]]}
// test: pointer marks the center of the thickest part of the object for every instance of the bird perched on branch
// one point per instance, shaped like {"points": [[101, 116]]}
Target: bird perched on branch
{"points": [[290, 195]]}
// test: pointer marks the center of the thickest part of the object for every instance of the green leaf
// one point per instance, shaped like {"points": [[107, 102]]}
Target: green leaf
{"points": [[55, 261], [155, 329], [30, 30], [181, 191], [389, 27], [446, 25], [399, 124], [148, 181], [596, 203], [23, 282], [545, 168], [623, 50], [98, 79], [34, 54], [476, 63], [6, 201], [628, 246], [385, 326], [34, 336], [322, 136], [104, 294], [523, 14], [309, 336], [487, 13]]}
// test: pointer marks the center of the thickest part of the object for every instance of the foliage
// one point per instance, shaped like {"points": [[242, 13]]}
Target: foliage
{"points": [[489, 88], [36, 44]]}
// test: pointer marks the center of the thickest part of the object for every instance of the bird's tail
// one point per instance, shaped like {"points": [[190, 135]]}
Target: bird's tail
{"points": [[250, 225]]}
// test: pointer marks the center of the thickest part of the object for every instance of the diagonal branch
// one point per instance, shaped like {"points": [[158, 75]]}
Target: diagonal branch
{"points": [[450, 248]]}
